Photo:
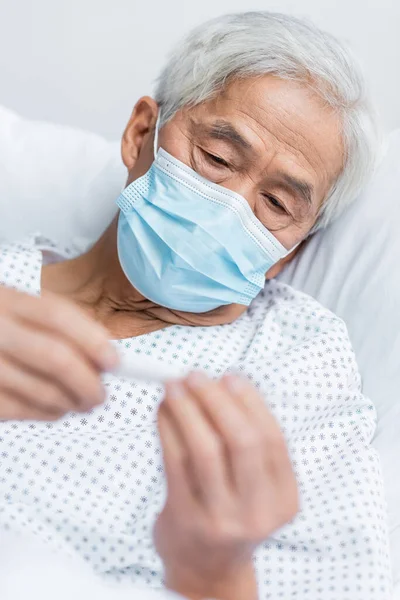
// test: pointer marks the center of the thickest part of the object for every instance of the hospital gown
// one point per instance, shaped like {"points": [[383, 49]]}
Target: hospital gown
{"points": [[93, 483]]}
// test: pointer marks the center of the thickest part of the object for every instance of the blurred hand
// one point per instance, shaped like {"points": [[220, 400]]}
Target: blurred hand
{"points": [[230, 486], [51, 357]]}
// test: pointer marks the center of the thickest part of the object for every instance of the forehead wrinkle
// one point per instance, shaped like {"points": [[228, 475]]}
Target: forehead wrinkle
{"points": [[268, 118], [262, 130], [296, 136]]}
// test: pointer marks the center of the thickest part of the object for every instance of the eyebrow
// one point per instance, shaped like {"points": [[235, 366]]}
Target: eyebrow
{"points": [[221, 130], [302, 188]]}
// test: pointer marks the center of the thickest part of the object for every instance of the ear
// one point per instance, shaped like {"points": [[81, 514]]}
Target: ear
{"points": [[278, 267], [141, 124]]}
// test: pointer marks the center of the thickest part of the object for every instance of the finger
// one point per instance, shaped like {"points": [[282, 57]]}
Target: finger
{"points": [[62, 318], [13, 408], [175, 459], [252, 402], [246, 447], [263, 419], [281, 479], [206, 456], [34, 391], [53, 359]]}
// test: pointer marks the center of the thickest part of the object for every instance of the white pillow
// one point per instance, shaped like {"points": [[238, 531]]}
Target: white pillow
{"points": [[353, 268], [57, 180]]}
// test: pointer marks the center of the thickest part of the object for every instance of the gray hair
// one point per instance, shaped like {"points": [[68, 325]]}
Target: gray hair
{"points": [[251, 44]]}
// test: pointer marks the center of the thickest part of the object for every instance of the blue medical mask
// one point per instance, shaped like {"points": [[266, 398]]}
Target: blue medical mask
{"points": [[189, 244]]}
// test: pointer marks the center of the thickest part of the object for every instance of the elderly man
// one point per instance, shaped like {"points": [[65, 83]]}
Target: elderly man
{"points": [[259, 133]]}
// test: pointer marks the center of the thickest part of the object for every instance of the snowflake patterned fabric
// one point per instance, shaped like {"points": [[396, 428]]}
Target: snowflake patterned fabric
{"points": [[93, 484]]}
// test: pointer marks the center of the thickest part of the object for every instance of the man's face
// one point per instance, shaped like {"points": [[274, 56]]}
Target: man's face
{"points": [[272, 141]]}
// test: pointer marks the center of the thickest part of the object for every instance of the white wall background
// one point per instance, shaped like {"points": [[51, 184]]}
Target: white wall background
{"points": [[85, 62]]}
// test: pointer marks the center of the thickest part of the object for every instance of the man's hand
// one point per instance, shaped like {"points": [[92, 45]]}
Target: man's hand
{"points": [[230, 486], [51, 357]]}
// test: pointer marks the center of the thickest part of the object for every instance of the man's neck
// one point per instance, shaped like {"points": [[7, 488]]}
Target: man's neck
{"points": [[96, 282]]}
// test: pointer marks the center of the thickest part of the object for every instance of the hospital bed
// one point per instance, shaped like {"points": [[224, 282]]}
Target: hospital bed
{"points": [[61, 181]]}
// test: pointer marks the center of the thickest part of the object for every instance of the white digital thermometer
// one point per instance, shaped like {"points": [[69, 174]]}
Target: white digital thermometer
{"points": [[144, 368]]}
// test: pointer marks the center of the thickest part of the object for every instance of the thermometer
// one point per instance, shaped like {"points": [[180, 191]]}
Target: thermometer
{"points": [[144, 368]]}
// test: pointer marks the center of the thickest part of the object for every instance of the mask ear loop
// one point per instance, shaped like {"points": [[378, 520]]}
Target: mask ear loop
{"points": [[156, 131]]}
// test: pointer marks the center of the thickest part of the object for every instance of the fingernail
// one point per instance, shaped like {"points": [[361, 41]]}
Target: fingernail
{"points": [[109, 358], [196, 379], [174, 389], [234, 383]]}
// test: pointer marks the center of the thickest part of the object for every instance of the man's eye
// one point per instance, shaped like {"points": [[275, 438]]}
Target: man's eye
{"points": [[216, 160], [274, 202]]}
